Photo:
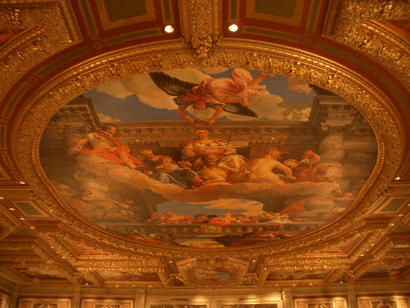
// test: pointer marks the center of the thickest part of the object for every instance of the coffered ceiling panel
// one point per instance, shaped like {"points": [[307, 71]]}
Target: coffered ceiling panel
{"points": [[273, 157]]}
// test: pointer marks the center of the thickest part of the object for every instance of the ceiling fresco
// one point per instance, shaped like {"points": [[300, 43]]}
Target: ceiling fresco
{"points": [[297, 165], [270, 159]]}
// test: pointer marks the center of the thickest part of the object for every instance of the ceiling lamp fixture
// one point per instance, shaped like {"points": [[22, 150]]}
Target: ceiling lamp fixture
{"points": [[169, 29], [233, 28]]}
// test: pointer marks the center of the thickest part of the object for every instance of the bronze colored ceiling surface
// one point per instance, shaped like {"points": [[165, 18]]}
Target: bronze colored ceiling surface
{"points": [[342, 215]]}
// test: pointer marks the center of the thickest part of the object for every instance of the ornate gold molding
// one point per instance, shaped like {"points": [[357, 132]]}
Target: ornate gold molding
{"points": [[8, 223], [204, 49], [199, 32], [50, 27], [135, 284], [402, 255], [387, 48], [308, 254], [98, 280], [229, 53], [9, 193], [135, 257], [397, 189], [355, 276], [354, 24], [63, 270]]}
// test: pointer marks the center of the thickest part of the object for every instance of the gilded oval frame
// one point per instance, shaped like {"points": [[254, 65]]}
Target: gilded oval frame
{"points": [[290, 62]]}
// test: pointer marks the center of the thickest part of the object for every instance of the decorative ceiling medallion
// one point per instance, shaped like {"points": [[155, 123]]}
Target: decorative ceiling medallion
{"points": [[208, 158], [280, 61]]}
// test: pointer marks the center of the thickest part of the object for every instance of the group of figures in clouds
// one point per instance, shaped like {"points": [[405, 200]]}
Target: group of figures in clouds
{"points": [[290, 192], [208, 187]]}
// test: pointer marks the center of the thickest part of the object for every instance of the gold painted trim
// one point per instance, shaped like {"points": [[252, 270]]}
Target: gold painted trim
{"points": [[286, 61], [8, 222], [355, 25], [51, 27], [107, 24], [194, 27], [382, 205], [294, 21]]}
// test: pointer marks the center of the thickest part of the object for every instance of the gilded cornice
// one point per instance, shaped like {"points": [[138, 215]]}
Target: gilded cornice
{"points": [[8, 223], [397, 189], [387, 48], [342, 10], [53, 236], [135, 284], [310, 265], [354, 24], [386, 247], [370, 264], [229, 53], [367, 232], [65, 272], [50, 27], [41, 257], [402, 255], [33, 244]]}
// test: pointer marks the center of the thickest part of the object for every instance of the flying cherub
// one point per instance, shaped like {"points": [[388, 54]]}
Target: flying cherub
{"points": [[220, 94]]}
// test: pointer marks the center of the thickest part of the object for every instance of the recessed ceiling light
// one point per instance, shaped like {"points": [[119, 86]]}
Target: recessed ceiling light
{"points": [[22, 218], [22, 182], [169, 29], [233, 28], [397, 178]]}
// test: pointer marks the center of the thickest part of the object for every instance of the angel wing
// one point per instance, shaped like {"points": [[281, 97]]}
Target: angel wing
{"points": [[176, 87], [238, 108], [171, 85]]}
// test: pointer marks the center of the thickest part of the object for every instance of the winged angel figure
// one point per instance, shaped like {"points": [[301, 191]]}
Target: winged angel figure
{"points": [[220, 94]]}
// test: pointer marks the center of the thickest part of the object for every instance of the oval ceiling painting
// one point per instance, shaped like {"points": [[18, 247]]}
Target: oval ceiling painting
{"points": [[208, 158]]}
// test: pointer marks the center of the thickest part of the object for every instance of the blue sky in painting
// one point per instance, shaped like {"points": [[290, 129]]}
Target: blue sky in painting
{"points": [[131, 108]]}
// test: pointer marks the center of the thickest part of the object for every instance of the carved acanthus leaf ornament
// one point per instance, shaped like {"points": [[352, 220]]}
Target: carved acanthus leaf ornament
{"points": [[49, 27], [355, 24], [201, 34]]}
